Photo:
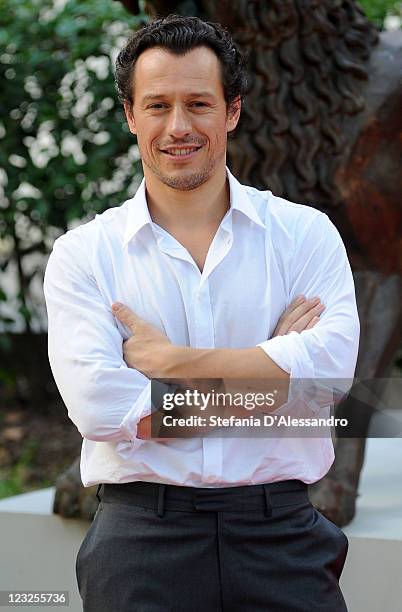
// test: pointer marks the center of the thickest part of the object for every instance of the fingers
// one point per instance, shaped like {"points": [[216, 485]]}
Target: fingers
{"points": [[126, 315], [298, 301], [299, 308], [313, 321], [306, 320], [301, 314]]}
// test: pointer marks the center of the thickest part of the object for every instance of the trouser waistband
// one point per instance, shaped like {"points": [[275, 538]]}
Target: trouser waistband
{"points": [[161, 497]]}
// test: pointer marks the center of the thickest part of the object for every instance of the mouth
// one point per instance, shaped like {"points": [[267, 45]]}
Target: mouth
{"points": [[181, 153]]}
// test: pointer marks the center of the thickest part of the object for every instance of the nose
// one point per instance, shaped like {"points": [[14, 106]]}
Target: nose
{"points": [[179, 124]]}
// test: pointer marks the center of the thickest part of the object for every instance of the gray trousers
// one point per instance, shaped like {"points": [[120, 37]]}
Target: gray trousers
{"points": [[162, 548]]}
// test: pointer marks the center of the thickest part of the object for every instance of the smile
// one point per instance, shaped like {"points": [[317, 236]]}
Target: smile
{"points": [[181, 153]]}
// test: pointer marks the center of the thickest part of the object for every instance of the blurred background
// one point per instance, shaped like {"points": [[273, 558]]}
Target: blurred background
{"points": [[65, 155]]}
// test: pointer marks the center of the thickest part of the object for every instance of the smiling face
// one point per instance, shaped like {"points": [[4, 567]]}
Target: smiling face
{"points": [[180, 116]]}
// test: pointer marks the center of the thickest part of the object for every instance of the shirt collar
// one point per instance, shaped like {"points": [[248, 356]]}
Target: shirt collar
{"points": [[240, 200], [138, 214]]}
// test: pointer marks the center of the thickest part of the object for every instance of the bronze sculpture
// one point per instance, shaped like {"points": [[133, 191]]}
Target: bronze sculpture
{"points": [[321, 125]]}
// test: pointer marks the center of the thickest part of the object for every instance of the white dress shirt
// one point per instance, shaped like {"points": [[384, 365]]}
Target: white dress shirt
{"points": [[266, 251]]}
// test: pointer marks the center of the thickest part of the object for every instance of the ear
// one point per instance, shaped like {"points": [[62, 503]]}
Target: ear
{"points": [[128, 109], [233, 114]]}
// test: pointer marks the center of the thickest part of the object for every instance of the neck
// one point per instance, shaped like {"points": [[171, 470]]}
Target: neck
{"points": [[201, 207]]}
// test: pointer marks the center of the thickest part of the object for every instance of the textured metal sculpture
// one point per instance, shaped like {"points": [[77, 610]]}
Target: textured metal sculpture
{"points": [[322, 126]]}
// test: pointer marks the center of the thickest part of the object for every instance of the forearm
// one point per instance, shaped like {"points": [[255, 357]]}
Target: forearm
{"points": [[250, 363], [229, 367], [214, 398]]}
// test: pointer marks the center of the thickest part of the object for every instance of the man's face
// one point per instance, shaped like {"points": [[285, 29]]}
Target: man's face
{"points": [[180, 116]]}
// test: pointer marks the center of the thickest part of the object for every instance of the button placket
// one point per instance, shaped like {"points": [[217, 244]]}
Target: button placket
{"points": [[203, 318], [205, 338], [212, 451]]}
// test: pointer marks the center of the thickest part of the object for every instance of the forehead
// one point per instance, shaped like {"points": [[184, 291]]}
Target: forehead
{"points": [[158, 70]]}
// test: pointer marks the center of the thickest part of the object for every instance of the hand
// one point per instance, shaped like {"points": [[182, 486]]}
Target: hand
{"points": [[144, 428], [147, 349], [301, 314]]}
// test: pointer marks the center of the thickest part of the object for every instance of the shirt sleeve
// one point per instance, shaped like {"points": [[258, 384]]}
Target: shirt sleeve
{"points": [[105, 398], [320, 267]]}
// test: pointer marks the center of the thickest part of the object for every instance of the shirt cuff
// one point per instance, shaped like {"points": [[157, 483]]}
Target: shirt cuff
{"points": [[140, 409], [290, 354]]}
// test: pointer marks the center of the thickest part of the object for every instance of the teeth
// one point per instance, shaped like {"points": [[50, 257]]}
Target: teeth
{"points": [[181, 151]]}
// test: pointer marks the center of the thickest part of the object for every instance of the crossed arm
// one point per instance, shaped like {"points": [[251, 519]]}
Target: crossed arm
{"points": [[107, 391], [150, 352]]}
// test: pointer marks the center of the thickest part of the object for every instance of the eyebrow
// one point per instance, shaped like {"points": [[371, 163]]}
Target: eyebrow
{"points": [[195, 94]]}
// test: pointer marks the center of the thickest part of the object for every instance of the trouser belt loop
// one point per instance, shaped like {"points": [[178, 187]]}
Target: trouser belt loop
{"points": [[97, 492], [161, 498], [268, 506]]}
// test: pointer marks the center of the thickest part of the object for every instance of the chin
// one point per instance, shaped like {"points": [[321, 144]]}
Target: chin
{"points": [[185, 179], [185, 183]]}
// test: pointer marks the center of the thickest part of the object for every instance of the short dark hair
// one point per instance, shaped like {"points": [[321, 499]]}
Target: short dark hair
{"points": [[179, 35]]}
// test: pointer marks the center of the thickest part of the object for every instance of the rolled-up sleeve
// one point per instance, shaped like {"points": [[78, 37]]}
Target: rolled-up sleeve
{"points": [[105, 398], [320, 267]]}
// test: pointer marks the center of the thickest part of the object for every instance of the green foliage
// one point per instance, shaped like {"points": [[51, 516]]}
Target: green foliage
{"points": [[378, 10], [65, 151], [13, 480]]}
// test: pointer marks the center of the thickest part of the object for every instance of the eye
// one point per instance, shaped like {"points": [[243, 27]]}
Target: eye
{"points": [[157, 106], [198, 104]]}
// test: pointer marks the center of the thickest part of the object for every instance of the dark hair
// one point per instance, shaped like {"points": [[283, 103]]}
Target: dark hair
{"points": [[180, 35]]}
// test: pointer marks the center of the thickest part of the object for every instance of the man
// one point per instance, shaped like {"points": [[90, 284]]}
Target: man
{"points": [[202, 278]]}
